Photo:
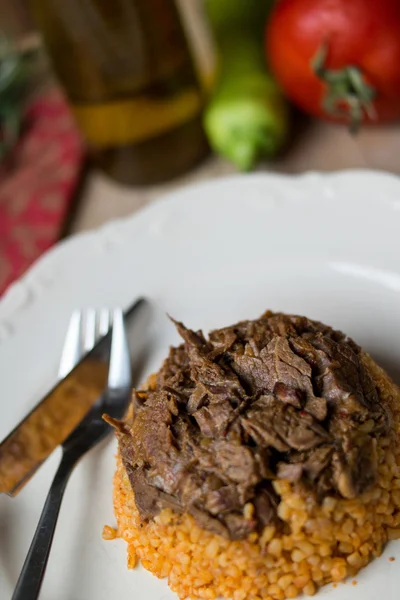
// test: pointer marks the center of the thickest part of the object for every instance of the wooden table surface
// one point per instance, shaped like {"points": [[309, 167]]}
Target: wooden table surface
{"points": [[316, 146]]}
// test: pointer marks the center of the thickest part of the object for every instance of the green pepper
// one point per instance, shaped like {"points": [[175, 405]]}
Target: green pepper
{"points": [[247, 116]]}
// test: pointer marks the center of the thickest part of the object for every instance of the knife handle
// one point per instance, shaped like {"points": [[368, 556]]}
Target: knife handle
{"points": [[31, 577]]}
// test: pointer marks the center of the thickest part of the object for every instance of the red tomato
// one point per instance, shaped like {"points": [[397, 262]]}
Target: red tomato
{"points": [[361, 34]]}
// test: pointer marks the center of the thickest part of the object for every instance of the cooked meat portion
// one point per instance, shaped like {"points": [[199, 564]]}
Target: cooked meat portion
{"points": [[277, 397]]}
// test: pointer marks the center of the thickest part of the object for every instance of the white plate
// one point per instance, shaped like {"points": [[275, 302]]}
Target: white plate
{"points": [[327, 246]]}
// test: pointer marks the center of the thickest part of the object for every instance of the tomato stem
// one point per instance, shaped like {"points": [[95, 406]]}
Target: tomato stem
{"points": [[347, 94]]}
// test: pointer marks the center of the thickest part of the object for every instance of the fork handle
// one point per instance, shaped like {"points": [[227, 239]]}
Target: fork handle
{"points": [[31, 577]]}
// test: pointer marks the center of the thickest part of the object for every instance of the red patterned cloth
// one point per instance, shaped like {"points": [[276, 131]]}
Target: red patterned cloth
{"points": [[37, 187]]}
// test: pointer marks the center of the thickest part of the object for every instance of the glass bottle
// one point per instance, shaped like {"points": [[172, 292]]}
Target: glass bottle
{"points": [[127, 70]]}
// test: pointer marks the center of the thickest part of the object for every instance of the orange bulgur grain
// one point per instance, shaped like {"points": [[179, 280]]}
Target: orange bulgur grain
{"points": [[109, 533], [323, 543]]}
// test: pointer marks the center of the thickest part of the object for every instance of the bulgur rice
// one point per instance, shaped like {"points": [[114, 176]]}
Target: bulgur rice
{"points": [[324, 542]]}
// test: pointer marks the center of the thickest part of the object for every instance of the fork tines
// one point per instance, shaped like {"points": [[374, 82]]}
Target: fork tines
{"points": [[85, 328]]}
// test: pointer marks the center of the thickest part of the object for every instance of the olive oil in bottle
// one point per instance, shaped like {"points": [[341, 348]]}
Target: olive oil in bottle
{"points": [[126, 68]]}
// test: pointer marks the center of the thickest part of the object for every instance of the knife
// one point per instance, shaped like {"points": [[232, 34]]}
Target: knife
{"points": [[59, 412]]}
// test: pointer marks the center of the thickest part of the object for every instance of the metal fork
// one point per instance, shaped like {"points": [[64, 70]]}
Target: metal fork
{"points": [[81, 337]]}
